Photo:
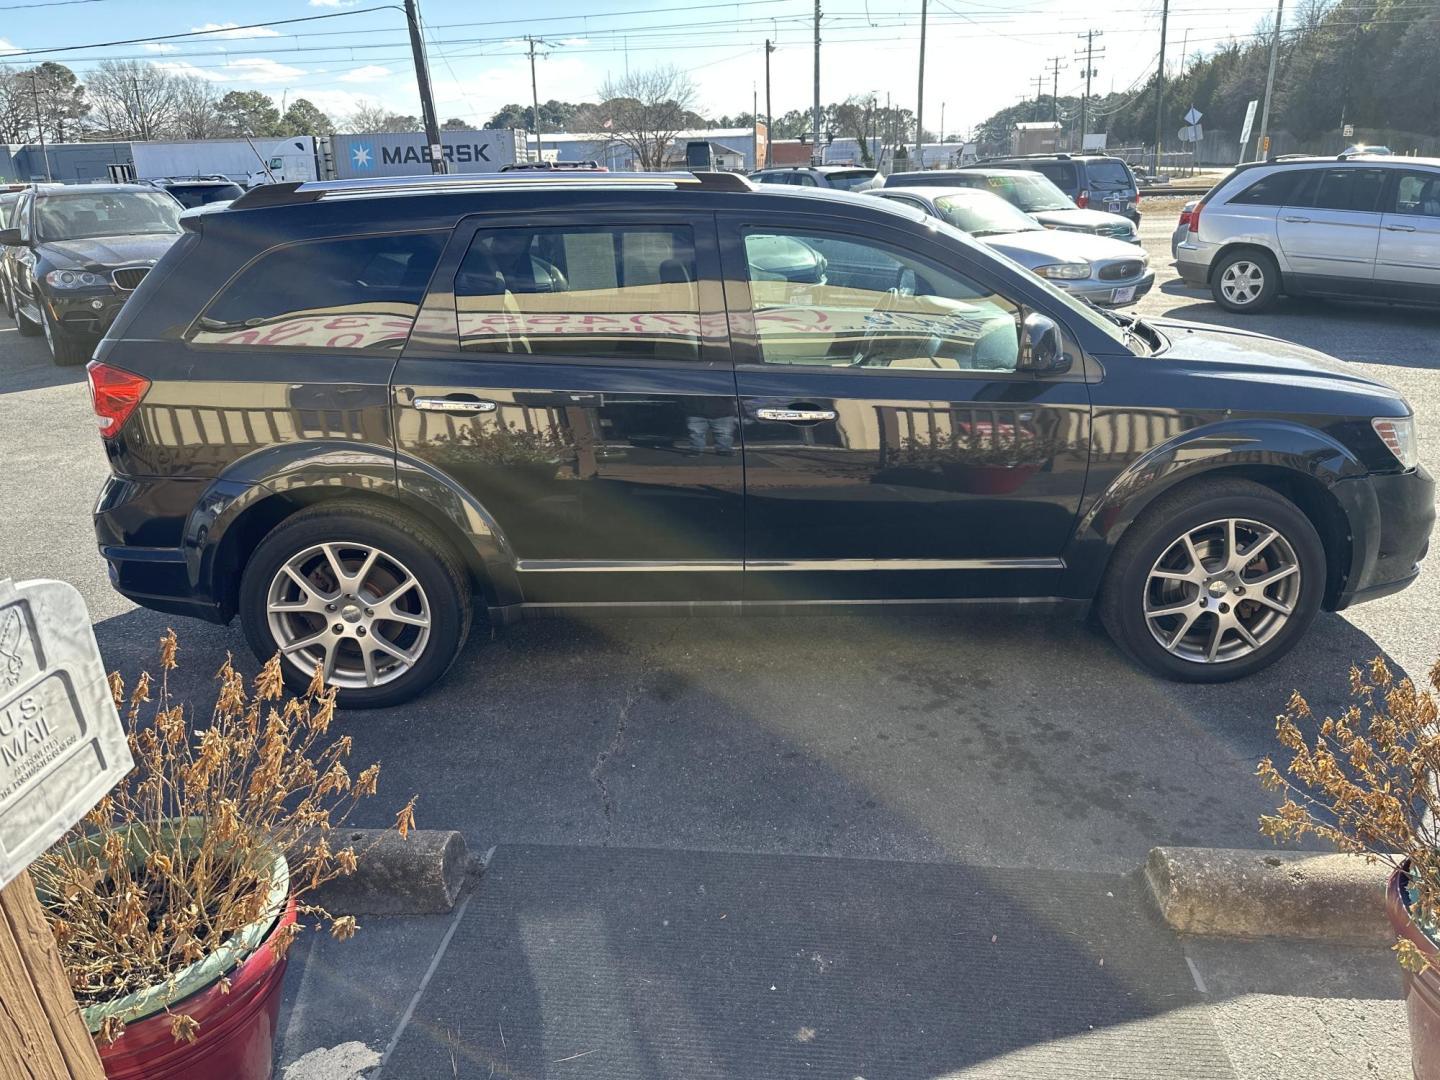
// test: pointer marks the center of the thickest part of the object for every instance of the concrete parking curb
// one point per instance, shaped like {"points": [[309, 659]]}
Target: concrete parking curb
{"points": [[420, 874], [1288, 894]]}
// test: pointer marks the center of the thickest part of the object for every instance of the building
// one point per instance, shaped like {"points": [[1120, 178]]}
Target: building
{"points": [[1038, 137]]}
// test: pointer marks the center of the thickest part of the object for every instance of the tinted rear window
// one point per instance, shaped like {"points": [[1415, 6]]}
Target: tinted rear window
{"points": [[1108, 176], [851, 178], [192, 195], [362, 292], [1058, 173], [1350, 189]]}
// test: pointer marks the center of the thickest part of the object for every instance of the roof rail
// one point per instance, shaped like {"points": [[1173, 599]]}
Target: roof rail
{"points": [[309, 191]]}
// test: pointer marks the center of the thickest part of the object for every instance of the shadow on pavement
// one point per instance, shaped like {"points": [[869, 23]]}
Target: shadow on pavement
{"points": [[35, 370]]}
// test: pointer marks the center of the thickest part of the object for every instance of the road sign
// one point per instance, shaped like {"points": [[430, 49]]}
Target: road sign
{"points": [[1191, 133], [1265, 145], [1249, 123], [62, 745], [1348, 131], [1193, 116]]}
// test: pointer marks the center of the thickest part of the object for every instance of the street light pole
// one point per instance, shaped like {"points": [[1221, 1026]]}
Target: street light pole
{"points": [[815, 154], [40, 128], [535, 104], [769, 138], [920, 95], [1160, 85], [427, 96]]}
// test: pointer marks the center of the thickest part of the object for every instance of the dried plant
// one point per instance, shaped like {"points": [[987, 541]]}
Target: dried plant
{"points": [[179, 857], [1366, 782]]}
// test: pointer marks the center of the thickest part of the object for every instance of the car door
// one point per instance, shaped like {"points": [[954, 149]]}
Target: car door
{"points": [[892, 450], [573, 377], [1408, 264], [1330, 230]]}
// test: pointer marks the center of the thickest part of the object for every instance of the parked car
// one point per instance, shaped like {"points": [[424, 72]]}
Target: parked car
{"points": [[9, 200], [1031, 192], [1093, 181], [352, 421], [1350, 228], [843, 177], [554, 166], [74, 254], [1182, 227], [193, 191], [1095, 268], [1383, 151]]}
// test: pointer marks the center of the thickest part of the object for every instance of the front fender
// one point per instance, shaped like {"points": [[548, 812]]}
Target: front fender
{"points": [[1236, 445], [261, 489]]}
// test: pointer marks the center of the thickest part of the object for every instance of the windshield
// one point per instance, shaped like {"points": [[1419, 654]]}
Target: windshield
{"points": [[981, 214], [851, 179], [191, 195], [86, 215], [1030, 193]]}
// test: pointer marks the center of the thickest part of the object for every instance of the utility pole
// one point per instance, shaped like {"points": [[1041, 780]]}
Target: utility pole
{"points": [[427, 96], [1260, 147], [920, 95], [40, 127], [1090, 53], [1160, 86], [535, 104], [1055, 88], [769, 138], [816, 157]]}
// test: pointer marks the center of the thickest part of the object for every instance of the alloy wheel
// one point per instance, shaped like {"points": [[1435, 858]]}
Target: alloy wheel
{"points": [[351, 610], [1242, 282], [1222, 590]]}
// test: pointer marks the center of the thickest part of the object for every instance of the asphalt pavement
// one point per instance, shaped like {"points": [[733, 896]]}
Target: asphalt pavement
{"points": [[1018, 742]]}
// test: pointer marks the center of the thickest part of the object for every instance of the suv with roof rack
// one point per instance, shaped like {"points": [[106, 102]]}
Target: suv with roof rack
{"points": [[1091, 181], [841, 177], [359, 413], [1353, 227]]}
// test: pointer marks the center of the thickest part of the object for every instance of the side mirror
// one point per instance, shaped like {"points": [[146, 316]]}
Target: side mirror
{"points": [[1040, 350], [11, 238]]}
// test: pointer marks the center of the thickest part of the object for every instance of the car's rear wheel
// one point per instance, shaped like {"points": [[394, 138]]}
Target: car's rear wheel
{"points": [[1214, 583], [370, 597], [1245, 281], [66, 349]]}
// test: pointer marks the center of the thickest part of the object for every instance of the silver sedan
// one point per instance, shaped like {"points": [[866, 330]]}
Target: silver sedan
{"points": [[1110, 273]]}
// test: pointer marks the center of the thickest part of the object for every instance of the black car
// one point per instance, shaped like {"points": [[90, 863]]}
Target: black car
{"points": [[9, 200], [1093, 181], [354, 412], [73, 255], [193, 191]]}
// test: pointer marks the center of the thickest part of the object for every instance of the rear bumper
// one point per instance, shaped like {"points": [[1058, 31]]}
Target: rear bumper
{"points": [[1391, 517]]}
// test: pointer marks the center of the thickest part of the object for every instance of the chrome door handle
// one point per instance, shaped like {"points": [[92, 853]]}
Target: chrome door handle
{"points": [[454, 405], [1298, 220], [796, 416], [1401, 228]]}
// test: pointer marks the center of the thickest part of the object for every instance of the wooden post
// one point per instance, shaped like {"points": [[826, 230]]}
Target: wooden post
{"points": [[42, 1036]]}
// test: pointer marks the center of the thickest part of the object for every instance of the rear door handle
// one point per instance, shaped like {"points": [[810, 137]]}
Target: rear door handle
{"points": [[1401, 228], [1298, 220], [459, 405], [796, 416]]}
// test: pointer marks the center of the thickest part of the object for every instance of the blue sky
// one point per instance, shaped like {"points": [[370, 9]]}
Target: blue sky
{"points": [[982, 54]]}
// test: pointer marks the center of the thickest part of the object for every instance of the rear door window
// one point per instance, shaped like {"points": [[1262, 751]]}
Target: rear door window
{"points": [[1350, 189], [1058, 173], [362, 292], [1273, 190]]}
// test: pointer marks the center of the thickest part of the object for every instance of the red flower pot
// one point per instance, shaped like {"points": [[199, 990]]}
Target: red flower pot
{"points": [[236, 1038], [1422, 991]]}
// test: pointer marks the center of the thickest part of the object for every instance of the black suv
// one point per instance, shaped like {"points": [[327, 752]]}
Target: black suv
{"points": [[1093, 181], [348, 410], [73, 255]]}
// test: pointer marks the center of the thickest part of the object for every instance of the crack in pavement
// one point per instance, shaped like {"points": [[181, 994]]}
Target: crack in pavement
{"points": [[617, 738]]}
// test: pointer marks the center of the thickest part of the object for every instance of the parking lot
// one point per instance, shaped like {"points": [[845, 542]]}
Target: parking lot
{"points": [[1012, 742]]}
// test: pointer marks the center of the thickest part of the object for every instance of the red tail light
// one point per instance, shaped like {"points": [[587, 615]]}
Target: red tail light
{"points": [[114, 393], [1082, 200], [1191, 218]]}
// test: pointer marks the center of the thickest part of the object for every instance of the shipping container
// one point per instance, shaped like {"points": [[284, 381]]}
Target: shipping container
{"points": [[350, 157]]}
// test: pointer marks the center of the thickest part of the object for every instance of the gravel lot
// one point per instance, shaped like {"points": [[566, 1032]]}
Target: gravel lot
{"points": [[1017, 740]]}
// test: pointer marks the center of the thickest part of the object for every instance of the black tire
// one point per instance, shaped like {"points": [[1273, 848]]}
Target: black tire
{"points": [[1249, 265], [66, 349], [1155, 534], [439, 573]]}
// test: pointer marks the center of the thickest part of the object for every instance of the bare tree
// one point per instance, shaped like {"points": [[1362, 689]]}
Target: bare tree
{"points": [[371, 117], [17, 110], [644, 111], [195, 113], [132, 98]]}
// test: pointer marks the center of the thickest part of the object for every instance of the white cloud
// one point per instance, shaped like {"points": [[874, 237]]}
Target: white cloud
{"points": [[184, 69], [337, 104], [258, 69], [159, 47], [6, 47], [233, 30], [334, 3], [368, 73]]}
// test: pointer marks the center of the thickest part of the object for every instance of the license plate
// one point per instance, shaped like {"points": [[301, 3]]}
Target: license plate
{"points": [[1123, 296]]}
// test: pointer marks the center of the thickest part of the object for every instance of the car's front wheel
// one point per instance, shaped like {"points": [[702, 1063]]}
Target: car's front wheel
{"points": [[367, 596], [66, 349], [1245, 281], [1215, 582]]}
